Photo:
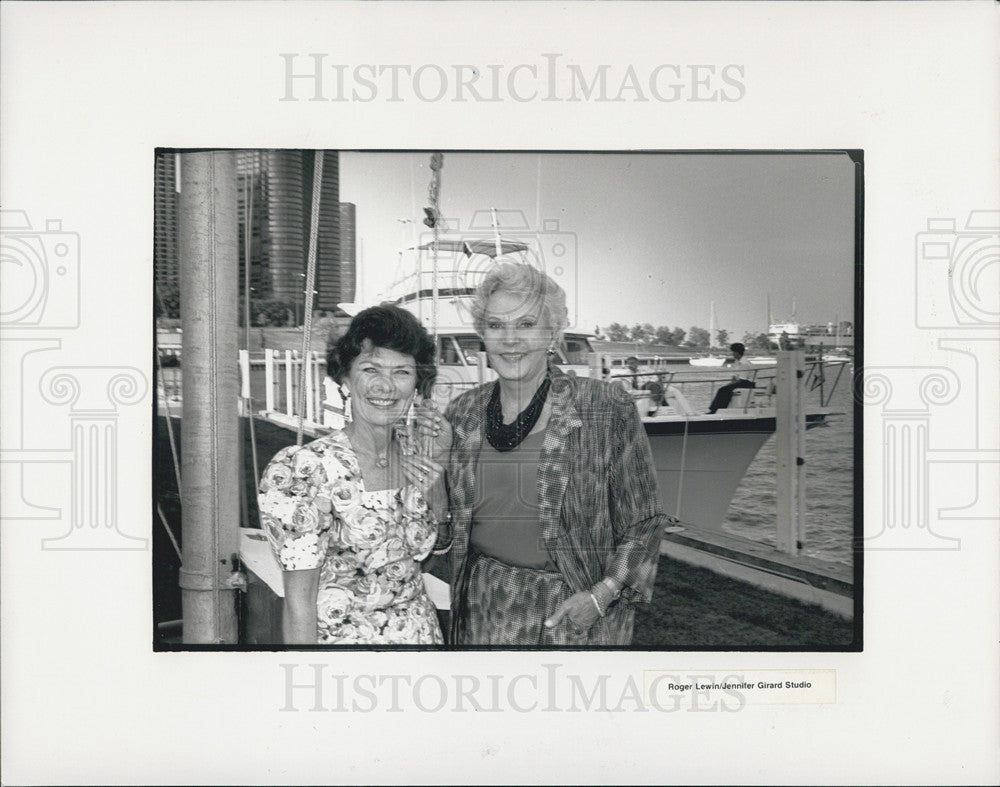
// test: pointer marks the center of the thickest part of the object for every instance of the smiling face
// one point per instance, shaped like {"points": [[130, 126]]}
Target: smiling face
{"points": [[517, 335], [382, 383]]}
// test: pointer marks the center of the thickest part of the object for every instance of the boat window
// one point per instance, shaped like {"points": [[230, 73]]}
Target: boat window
{"points": [[470, 346], [448, 352]]}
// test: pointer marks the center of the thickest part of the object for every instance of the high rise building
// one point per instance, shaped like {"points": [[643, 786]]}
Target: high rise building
{"points": [[348, 252], [165, 260], [328, 253], [279, 185]]}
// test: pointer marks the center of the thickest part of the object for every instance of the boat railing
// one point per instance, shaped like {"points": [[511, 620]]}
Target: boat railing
{"points": [[270, 385], [820, 375]]}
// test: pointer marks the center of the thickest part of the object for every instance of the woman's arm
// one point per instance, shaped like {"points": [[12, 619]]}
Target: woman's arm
{"points": [[296, 514], [636, 511], [298, 620]]}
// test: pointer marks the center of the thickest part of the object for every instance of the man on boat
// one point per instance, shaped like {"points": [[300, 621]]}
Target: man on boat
{"points": [[724, 395]]}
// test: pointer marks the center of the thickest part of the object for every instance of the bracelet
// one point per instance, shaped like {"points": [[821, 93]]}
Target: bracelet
{"points": [[599, 610], [602, 591], [445, 519], [440, 519]]}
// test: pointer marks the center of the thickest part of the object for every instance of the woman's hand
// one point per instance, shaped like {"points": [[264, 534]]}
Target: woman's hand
{"points": [[421, 471], [432, 430], [579, 611]]}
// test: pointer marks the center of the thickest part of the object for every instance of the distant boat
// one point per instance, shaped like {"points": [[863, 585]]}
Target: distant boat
{"points": [[707, 360]]}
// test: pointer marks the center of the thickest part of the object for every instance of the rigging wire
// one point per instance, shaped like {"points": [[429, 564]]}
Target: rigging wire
{"points": [[166, 525], [249, 191], [310, 284], [166, 403]]}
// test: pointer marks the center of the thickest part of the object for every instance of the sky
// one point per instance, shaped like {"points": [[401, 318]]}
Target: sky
{"points": [[643, 237]]}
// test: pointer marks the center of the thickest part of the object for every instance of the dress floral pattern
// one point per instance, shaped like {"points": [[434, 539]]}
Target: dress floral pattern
{"points": [[367, 545]]}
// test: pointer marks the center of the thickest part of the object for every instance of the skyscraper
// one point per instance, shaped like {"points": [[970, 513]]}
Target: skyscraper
{"points": [[165, 260], [348, 252], [279, 185]]}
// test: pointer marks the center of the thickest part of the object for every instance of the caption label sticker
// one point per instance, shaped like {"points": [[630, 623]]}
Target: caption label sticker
{"points": [[735, 689]]}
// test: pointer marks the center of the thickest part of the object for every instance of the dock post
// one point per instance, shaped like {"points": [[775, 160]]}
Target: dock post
{"points": [[597, 366], [790, 449], [306, 381], [210, 426], [289, 393], [269, 380]]}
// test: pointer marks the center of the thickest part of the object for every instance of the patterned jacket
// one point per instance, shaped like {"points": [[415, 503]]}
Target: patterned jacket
{"points": [[599, 507]]}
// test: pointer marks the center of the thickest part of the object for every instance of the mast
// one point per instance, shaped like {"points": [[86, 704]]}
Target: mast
{"points": [[497, 242], [210, 427], [434, 220], [712, 331]]}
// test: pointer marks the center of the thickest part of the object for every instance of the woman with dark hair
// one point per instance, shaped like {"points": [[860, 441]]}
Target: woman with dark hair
{"points": [[351, 515], [556, 517]]}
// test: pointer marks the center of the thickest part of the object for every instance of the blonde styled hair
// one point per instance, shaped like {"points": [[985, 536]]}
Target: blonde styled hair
{"points": [[525, 280]]}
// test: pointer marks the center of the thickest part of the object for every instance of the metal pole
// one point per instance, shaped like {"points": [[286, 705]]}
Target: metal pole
{"points": [[790, 445], [210, 427]]}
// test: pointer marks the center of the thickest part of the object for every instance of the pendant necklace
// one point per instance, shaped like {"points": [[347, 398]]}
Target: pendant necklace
{"points": [[505, 437]]}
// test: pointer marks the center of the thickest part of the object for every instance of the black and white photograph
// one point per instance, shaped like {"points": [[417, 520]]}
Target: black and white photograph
{"points": [[626, 415], [499, 392]]}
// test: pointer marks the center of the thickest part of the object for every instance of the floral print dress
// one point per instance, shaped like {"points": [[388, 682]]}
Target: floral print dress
{"points": [[367, 545]]}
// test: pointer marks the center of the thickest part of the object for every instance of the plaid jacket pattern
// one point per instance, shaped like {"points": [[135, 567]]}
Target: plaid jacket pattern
{"points": [[599, 506]]}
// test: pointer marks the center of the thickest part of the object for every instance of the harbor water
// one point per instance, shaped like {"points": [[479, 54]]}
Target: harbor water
{"points": [[829, 524]]}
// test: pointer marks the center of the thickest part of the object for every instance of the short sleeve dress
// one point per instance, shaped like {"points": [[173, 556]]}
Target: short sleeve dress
{"points": [[367, 545]]}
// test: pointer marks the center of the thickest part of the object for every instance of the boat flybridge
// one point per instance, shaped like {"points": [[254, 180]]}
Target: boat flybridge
{"points": [[700, 458]]}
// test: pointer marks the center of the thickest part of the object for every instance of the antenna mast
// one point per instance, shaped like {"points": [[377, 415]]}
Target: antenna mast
{"points": [[433, 220]]}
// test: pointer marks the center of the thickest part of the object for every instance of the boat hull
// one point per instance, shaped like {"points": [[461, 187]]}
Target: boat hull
{"points": [[700, 461]]}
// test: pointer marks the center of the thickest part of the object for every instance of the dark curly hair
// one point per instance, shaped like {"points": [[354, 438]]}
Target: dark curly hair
{"points": [[391, 328]]}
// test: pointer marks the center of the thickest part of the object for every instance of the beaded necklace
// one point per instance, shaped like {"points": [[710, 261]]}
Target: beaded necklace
{"points": [[506, 437]]}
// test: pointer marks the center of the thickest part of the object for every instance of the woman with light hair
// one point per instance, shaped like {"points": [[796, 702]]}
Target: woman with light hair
{"points": [[555, 513]]}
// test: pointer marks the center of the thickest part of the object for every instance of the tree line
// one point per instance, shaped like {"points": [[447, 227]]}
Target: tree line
{"points": [[694, 337]]}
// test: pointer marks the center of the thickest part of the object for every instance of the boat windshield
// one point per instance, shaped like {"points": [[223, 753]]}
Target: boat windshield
{"points": [[448, 351], [577, 350]]}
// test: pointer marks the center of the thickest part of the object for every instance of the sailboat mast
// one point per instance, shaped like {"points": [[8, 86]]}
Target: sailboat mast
{"points": [[497, 243], [434, 195], [207, 235]]}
